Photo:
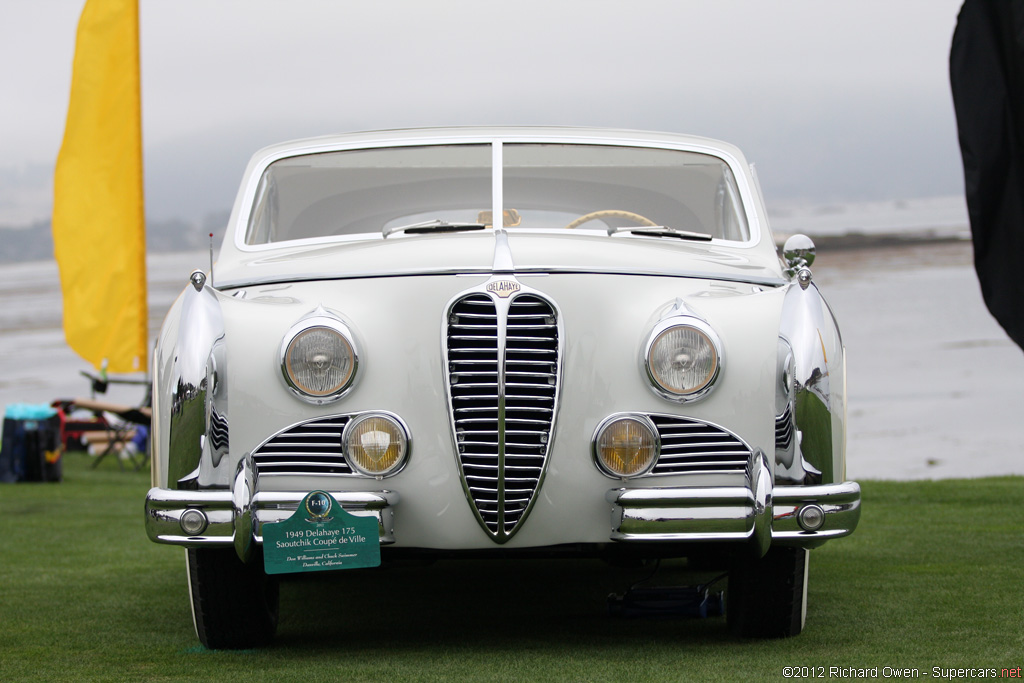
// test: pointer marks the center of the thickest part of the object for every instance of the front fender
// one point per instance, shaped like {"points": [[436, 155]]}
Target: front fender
{"points": [[817, 395], [189, 379]]}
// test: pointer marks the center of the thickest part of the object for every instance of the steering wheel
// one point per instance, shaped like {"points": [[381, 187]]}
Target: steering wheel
{"points": [[611, 213]]}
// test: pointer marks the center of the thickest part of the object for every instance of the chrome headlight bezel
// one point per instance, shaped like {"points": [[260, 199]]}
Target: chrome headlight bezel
{"points": [[403, 431], [336, 326], [708, 333], [603, 426]]}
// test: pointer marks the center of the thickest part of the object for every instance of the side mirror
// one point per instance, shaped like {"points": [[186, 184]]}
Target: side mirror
{"points": [[798, 255]]}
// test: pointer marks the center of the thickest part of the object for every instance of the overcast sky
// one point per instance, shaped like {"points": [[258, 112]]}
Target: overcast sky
{"points": [[846, 100]]}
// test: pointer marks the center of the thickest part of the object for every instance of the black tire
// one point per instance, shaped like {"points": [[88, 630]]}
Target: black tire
{"points": [[767, 598], [234, 604]]}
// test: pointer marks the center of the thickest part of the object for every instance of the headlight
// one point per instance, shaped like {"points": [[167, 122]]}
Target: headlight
{"points": [[683, 359], [375, 444], [318, 359], [626, 445]]}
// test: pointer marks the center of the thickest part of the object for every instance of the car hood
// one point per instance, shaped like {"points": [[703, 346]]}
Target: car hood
{"points": [[500, 251]]}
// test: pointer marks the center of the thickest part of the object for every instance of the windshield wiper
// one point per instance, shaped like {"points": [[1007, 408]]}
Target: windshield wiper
{"points": [[435, 225], [663, 231]]}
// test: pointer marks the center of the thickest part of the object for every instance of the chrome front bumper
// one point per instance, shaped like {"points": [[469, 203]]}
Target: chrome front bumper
{"points": [[759, 514], [236, 517]]}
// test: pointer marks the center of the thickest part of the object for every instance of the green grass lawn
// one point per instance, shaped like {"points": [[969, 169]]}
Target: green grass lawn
{"points": [[932, 578]]}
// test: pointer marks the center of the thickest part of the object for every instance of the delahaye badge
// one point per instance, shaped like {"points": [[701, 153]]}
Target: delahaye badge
{"points": [[503, 288]]}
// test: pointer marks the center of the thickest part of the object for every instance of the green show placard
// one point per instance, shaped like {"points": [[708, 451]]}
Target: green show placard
{"points": [[320, 536]]}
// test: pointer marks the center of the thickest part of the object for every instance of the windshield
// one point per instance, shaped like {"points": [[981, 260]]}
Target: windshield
{"points": [[544, 186]]}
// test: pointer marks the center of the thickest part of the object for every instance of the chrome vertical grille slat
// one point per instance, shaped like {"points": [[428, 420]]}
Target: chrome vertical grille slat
{"points": [[502, 436]]}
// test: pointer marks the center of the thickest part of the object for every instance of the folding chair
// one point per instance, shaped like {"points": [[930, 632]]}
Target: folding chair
{"points": [[119, 430], [109, 427]]}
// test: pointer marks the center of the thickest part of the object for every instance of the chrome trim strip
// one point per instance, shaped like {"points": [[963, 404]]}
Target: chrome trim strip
{"points": [[497, 186], [695, 275]]}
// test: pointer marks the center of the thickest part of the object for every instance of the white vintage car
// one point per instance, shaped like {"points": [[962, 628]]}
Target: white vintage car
{"points": [[621, 367]]}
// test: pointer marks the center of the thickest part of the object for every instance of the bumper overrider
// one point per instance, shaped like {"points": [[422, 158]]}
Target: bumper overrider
{"points": [[758, 514]]}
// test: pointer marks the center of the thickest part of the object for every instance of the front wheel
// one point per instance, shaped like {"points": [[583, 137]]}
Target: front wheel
{"points": [[234, 604], [767, 598]]}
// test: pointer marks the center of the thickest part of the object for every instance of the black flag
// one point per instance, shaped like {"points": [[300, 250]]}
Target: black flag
{"points": [[986, 72]]}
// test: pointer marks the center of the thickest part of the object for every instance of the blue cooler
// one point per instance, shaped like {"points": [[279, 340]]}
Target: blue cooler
{"points": [[31, 448]]}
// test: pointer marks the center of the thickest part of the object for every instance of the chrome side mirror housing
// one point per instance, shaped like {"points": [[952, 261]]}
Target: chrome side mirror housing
{"points": [[798, 255]]}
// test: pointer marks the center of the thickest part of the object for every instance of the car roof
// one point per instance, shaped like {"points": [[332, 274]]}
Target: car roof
{"points": [[578, 134]]}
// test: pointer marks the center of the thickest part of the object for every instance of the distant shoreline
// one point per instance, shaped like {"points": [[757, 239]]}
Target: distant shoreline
{"points": [[855, 240]]}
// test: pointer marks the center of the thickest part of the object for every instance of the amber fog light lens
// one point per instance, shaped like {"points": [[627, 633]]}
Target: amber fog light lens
{"points": [[626, 446], [319, 362], [375, 444], [683, 360]]}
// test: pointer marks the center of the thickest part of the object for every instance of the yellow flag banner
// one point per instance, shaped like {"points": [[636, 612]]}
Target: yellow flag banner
{"points": [[99, 232]]}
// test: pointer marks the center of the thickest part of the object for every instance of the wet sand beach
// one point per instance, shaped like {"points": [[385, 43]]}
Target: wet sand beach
{"points": [[935, 385]]}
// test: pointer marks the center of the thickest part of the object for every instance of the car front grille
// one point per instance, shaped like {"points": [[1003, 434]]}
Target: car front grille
{"points": [[689, 446], [218, 430], [784, 429], [503, 368], [312, 447]]}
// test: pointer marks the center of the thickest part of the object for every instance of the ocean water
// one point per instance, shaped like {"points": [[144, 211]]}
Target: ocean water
{"points": [[36, 365], [935, 217], [934, 384]]}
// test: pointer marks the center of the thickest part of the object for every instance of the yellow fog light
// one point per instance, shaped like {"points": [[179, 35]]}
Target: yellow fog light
{"points": [[375, 444], [626, 445]]}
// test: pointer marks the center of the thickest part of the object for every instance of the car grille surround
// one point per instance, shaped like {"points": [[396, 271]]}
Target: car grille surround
{"points": [[503, 359]]}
